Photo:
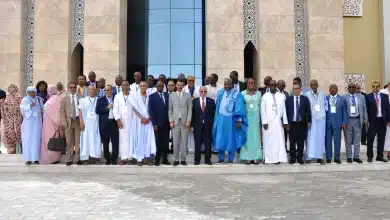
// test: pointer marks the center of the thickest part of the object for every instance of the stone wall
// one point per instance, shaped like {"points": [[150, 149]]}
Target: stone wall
{"points": [[224, 38], [11, 42], [105, 38], [326, 43]]}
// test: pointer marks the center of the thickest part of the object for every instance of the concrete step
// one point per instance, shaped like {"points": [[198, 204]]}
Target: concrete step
{"points": [[190, 169]]}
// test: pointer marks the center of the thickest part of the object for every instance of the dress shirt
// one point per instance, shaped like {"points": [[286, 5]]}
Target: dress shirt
{"points": [[74, 97], [110, 112], [118, 89], [295, 107], [356, 105], [201, 106], [379, 106], [162, 95], [237, 86]]}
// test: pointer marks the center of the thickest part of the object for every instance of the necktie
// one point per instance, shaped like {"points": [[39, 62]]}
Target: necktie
{"points": [[162, 98], [203, 105], [353, 100], [73, 108], [298, 115], [377, 104]]}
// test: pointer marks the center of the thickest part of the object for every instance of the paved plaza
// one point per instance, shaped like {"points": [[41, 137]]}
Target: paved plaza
{"points": [[322, 195]]}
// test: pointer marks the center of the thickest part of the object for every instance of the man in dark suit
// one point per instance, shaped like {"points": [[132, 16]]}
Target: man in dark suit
{"points": [[241, 86], [158, 111], [299, 120], [203, 111], [266, 88], [378, 117], [364, 129], [107, 126], [118, 85]]}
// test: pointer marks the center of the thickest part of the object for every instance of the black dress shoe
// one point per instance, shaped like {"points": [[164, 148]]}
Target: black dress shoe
{"points": [[363, 143], [157, 163], [140, 163], [230, 161], [220, 162], [328, 161], [209, 163], [196, 163], [183, 163], [36, 162], [320, 161], [357, 160], [28, 163], [114, 162], [108, 162], [69, 163], [337, 161], [79, 163], [166, 163], [309, 161], [301, 162], [349, 160], [382, 159], [291, 162], [175, 163], [369, 160]]}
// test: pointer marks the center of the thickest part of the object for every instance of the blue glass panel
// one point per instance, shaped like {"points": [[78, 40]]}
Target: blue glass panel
{"points": [[198, 71], [159, 44], [182, 43], [186, 69], [198, 43], [159, 16], [182, 15], [198, 15], [198, 81], [182, 3], [156, 70], [159, 4], [199, 3]]}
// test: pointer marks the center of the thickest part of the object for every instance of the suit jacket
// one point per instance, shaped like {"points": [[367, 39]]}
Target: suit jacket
{"points": [[242, 86], [372, 109], [114, 90], [89, 83], [304, 109], [66, 109], [262, 90], [103, 111], [361, 108], [181, 106], [339, 118], [158, 110], [207, 116]]}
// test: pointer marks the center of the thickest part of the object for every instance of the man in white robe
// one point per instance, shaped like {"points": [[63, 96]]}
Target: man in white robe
{"points": [[273, 109], [31, 109], [90, 142], [134, 88], [145, 142], [193, 90], [151, 87], [213, 88], [123, 114]]}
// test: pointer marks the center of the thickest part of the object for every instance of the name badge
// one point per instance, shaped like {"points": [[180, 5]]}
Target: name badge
{"points": [[353, 109], [317, 108], [91, 113], [250, 105], [35, 114], [332, 109]]}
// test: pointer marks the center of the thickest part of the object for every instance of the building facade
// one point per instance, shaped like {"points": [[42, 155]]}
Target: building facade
{"points": [[333, 41]]}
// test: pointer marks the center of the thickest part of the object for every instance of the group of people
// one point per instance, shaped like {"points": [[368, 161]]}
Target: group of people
{"points": [[141, 118]]}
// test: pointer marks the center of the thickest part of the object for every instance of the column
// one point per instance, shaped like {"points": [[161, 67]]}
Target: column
{"points": [[11, 43], [386, 38], [224, 38], [52, 40], [276, 40], [326, 43], [105, 38]]}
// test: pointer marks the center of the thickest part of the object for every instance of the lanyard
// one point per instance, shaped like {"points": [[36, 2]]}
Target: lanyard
{"points": [[92, 103], [333, 100], [125, 98], [109, 100], [315, 97]]}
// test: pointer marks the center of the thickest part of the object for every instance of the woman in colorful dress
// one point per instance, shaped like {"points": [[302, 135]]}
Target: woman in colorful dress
{"points": [[12, 119], [251, 152], [52, 125]]}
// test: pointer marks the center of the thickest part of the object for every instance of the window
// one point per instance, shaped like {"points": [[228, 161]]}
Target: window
{"points": [[175, 38]]}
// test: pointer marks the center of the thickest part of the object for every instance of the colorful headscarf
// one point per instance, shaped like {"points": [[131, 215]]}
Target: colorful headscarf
{"points": [[31, 89]]}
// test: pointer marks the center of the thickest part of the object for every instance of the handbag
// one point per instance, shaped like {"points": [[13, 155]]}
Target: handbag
{"points": [[57, 144]]}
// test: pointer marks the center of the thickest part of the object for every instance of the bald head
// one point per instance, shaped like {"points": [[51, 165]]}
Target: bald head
{"points": [[137, 77]]}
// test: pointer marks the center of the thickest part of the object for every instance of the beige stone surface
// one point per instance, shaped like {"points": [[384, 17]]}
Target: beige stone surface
{"points": [[322, 25], [52, 43], [108, 74], [52, 8], [51, 61], [51, 76], [101, 8], [10, 43], [52, 25], [276, 23], [108, 24], [326, 77], [325, 8], [224, 18], [275, 7], [326, 42], [277, 59], [279, 74], [101, 60], [277, 41], [10, 26], [10, 9], [327, 59], [13, 77], [101, 42]]}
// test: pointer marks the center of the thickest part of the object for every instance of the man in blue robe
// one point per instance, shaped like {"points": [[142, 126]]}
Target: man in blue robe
{"points": [[31, 108], [230, 122]]}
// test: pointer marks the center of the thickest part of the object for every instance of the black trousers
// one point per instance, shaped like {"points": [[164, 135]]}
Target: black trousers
{"points": [[377, 128], [297, 137], [206, 139], [162, 142], [364, 134], [111, 132]]}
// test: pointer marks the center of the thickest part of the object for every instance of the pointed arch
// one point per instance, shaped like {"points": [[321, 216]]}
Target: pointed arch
{"points": [[250, 60], [77, 62]]}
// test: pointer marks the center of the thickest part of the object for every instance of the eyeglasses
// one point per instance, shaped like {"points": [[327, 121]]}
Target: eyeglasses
{"points": [[72, 87]]}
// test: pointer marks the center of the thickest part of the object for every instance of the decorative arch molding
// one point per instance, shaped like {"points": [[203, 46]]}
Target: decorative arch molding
{"points": [[300, 41], [29, 26], [77, 23], [250, 22]]}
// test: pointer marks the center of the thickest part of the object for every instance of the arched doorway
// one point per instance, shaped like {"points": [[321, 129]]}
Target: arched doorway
{"points": [[250, 61], [77, 62]]}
